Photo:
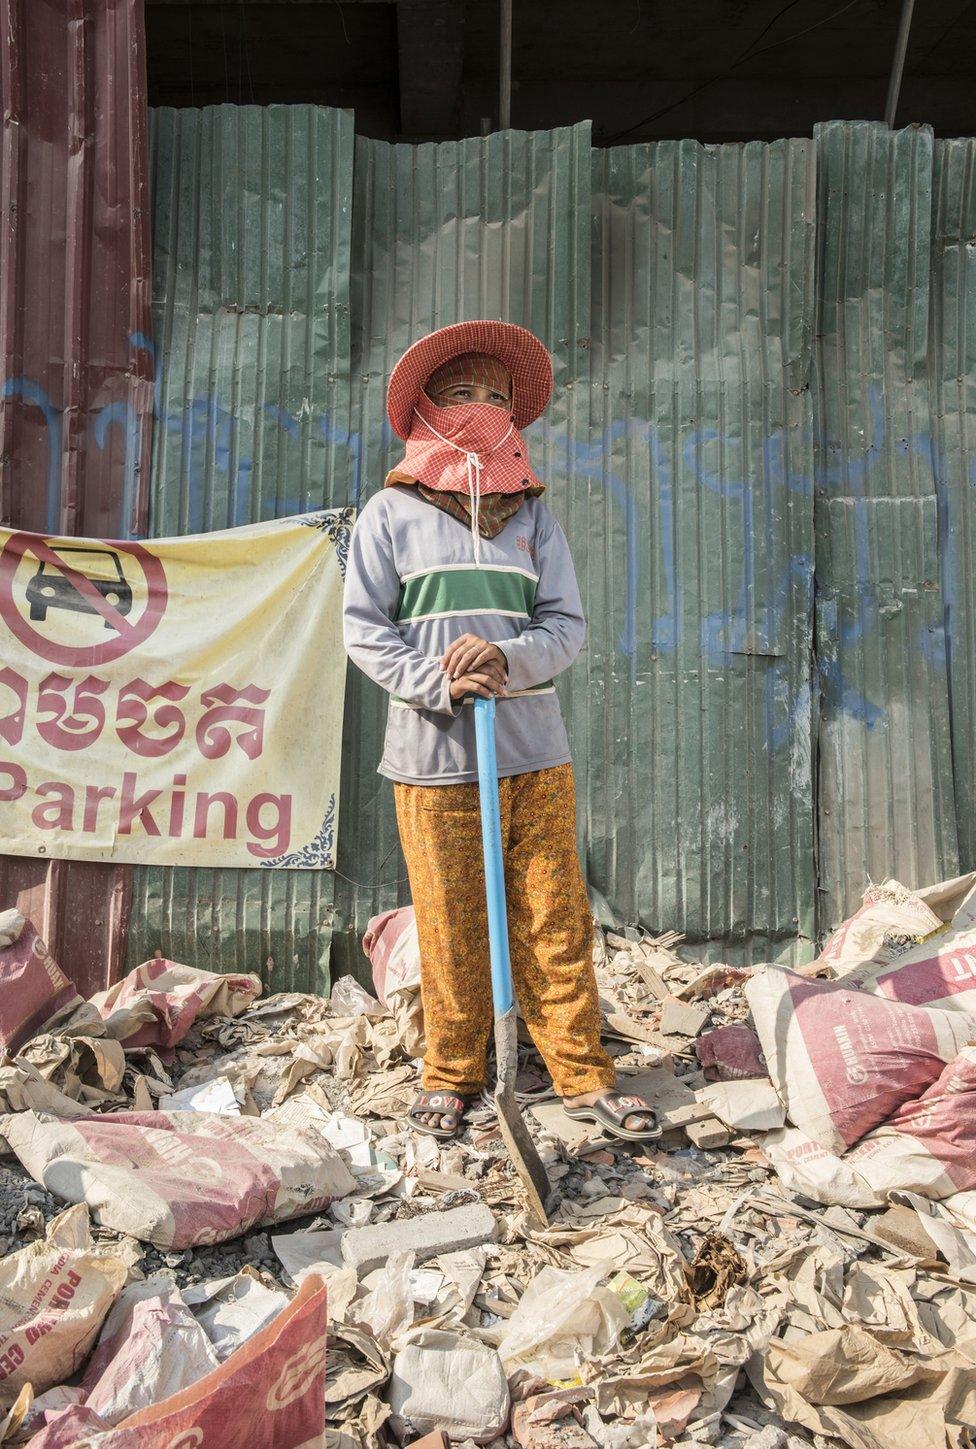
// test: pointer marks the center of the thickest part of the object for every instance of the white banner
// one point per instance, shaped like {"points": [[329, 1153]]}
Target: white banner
{"points": [[176, 701]]}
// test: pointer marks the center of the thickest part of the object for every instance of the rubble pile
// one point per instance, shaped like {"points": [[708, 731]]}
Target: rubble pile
{"points": [[212, 1211]]}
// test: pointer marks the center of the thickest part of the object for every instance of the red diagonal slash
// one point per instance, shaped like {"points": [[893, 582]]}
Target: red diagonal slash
{"points": [[128, 635]]}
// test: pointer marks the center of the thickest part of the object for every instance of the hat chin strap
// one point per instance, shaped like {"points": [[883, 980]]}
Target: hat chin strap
{"points": [[475, 467]]}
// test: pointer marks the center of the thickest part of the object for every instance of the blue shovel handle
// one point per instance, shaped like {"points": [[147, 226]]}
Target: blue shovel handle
{"points": [[491, 840]]}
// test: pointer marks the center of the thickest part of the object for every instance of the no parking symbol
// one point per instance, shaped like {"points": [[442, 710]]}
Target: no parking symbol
{"points": [[85, 578]]}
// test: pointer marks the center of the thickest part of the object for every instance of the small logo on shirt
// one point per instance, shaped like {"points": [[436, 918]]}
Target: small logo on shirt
{"points": [[523, 543]]}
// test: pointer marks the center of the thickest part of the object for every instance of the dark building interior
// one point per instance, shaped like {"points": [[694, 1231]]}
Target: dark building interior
{"points": [[716, 70]]}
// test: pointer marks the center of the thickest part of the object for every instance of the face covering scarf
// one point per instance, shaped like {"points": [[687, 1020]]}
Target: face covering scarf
{"points": [[468, 452]]}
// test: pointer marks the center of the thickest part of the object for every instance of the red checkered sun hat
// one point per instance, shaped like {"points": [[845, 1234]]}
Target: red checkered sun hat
{"points": [[526, 358]]}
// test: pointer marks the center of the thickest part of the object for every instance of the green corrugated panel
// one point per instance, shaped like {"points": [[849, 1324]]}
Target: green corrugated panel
{"points": [[953, 354], [252, 213], [486, 227], [699, 521], [885, 784]]}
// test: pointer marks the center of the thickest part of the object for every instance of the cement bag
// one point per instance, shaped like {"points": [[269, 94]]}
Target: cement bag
{"points": [[270, 1393], [151, 1347], [393, 949], [23, 1089], [843, 1060], [32, 985], [730, 1054], [927, 1146], [443, 1381], [158, 1002], [179, 1179], [391, 944], [54, 1295], [72, 1428], [48, 1406], [940, 971], [804, 1166], [889, 915]]}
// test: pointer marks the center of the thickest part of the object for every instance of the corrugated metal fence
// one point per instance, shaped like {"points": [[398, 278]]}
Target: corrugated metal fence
{"points": [[76, 368], [761, 447], [886, 762]]}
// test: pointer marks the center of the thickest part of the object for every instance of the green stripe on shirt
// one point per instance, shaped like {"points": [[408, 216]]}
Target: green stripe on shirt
{"points": [[466, 591]]}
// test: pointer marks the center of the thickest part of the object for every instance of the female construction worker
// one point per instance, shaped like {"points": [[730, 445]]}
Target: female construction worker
{"points": [[460, 583]]}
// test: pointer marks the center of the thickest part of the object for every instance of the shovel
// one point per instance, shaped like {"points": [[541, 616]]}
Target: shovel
{"points": [[513, 1129]]}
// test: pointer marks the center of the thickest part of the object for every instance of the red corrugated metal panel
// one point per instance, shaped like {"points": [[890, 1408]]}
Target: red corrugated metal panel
{"points": [[75, 344]]}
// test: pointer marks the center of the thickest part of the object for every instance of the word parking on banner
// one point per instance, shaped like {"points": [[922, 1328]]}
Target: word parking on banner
{"points": [[173, 812], [72, 714]]}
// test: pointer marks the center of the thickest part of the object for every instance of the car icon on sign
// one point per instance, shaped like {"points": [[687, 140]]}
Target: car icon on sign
{"points": [[49, 589]]}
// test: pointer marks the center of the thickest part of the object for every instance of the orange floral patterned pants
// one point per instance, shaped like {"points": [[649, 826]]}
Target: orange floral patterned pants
{"points": [[550, 933]]}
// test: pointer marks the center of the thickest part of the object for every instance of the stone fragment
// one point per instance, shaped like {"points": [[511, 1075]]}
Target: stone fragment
{"points": [[682, 1018], [708, 1134], [552, 1421], [900, 1228], [427, 1236]]}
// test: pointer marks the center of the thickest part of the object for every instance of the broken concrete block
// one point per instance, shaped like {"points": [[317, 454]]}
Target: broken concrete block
{"points": [[432, 1181], [673, 1102], [682, 1018], [652, 979], [901, 1229], [771, 1437], [552, 1118], [552, 1421], [708, 1134], [452, 1232]]}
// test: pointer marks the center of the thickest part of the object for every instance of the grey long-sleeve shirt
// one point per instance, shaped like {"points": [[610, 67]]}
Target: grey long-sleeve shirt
{"points": [[412, 587]]}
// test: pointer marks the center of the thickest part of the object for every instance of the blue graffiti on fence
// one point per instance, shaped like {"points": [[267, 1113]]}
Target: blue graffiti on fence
{"points": [[35, 395], [220, 486]]}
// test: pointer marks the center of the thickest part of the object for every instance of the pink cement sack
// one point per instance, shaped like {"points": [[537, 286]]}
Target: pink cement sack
{"points": [[889, 915], [730, 1054], [32, 985], [391, 944], [918, 947], [54, 1296], [178, 1179], [843, 1060], [939, 971], [270, 1394], [158, 1002], [927, 1146], [393, 949]]}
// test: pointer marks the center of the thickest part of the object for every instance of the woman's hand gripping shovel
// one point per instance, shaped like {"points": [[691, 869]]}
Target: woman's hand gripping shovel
{"points": [[514, 1132]]}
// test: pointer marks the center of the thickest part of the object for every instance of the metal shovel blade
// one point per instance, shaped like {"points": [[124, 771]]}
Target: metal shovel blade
{"points": [[515, 1134]]}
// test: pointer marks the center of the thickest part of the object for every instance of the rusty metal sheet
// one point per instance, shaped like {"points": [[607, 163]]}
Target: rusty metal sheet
{"points": [[76, 380], [76, 396], [886, 769]]}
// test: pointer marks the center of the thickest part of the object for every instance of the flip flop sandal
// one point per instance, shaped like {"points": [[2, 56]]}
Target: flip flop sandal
{"points": [[612, 1111], [442, 1102]]}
